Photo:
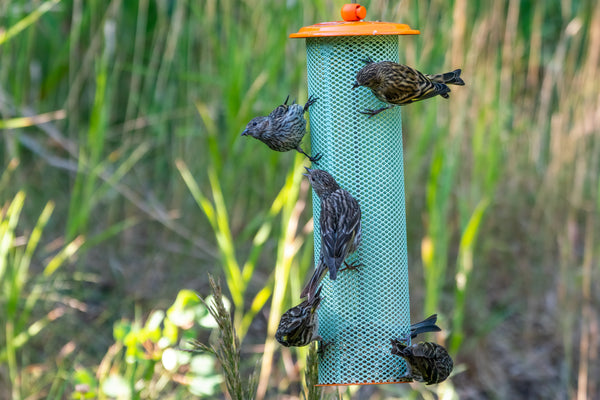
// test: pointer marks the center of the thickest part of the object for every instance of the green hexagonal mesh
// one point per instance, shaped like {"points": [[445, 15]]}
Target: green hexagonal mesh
{"points": [[366, 307]]}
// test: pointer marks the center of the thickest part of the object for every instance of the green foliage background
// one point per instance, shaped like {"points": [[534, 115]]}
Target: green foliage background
{"points": [[125, 181]]}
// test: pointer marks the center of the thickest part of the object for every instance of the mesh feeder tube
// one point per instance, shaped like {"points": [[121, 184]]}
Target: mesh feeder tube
{"points": [[364, 308]]}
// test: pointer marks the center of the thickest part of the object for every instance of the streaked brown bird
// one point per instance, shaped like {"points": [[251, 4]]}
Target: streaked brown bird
{"points": [[299, 325], [283, 129], [398, 84], [426, 362], [339, 221]]}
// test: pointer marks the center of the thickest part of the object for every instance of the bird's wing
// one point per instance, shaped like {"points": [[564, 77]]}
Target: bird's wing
{"points": [[425, 350], [411, 85], [350, 226], [340, 223], [299, 324], [296, 316], [279, 112], [329, 233]]}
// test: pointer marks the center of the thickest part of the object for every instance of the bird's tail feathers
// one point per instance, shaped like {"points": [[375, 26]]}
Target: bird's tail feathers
{"points": [[442, 89], [310, 289], [333, 263], [333, 270], [427, 325], [452, 78], [315, 301]]}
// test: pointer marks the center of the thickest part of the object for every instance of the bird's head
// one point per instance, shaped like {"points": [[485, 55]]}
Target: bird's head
{"points": [[322, 182], [256, 127], [292, 324], [367, 76]]}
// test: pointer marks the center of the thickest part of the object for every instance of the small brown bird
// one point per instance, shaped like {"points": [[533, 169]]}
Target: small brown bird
{"points": [[398, 84], [425, 362], [283, 129], [339, 221], [299, 325]]}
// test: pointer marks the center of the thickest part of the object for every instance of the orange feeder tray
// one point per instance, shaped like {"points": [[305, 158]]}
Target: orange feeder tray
{"points": [[352, 25]]}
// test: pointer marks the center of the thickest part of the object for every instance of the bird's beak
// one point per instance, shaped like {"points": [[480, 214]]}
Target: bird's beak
{"points": [[245, 133], [307, 170], [356, 84]]}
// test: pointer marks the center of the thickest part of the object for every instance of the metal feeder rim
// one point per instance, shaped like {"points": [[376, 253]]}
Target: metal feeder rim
{"points": [[363, 383]]}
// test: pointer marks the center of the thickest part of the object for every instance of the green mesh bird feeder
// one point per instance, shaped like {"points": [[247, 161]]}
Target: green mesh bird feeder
{"points": [[363, 308]]}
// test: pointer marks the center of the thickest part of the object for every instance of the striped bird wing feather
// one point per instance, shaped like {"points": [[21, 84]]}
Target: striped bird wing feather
{"points": [[410, 85], [340, 223], [279, 111]]}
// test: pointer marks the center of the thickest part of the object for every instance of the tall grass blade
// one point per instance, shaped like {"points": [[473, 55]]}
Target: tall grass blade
{"points": [[30, 19], [311, 375], [287, 247], [439, 187], [463, 273]]}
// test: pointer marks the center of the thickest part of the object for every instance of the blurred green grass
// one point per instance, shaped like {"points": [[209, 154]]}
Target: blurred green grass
{"points": [[98, 100]]}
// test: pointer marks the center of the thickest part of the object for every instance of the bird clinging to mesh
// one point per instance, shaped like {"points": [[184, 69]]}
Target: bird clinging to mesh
{"points": [[283, 129], [299, 325], [398, 84], [426, 362], [339, 221]]}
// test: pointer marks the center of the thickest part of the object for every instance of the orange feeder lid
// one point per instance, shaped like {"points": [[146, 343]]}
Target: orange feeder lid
{"points": [[352, 25]]}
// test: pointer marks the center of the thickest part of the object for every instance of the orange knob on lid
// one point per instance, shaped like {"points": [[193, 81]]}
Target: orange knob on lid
{"points": [[353, 12]]}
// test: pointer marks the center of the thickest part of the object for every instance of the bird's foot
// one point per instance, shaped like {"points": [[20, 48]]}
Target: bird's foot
{"points": [[371, 112], [323, 345], [405, 339], [311, 100], [355, 265], [367, 60], [315, 159]]}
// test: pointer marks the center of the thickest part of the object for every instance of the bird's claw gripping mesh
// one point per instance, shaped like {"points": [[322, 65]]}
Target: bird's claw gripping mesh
{"points": [[365, 307]]}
